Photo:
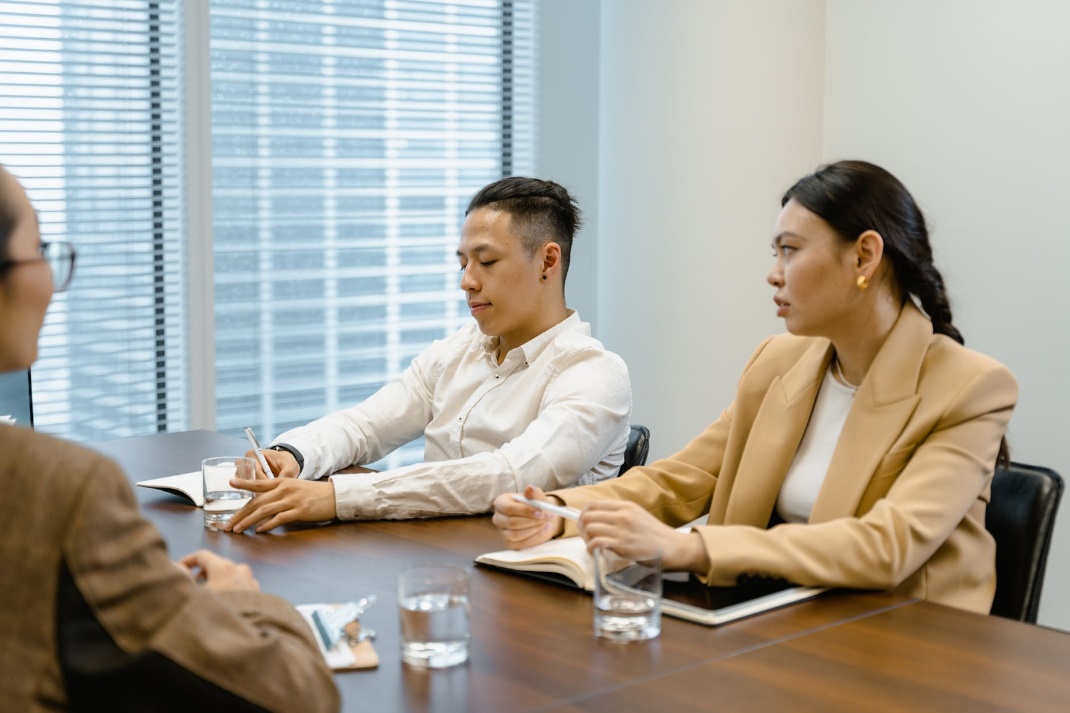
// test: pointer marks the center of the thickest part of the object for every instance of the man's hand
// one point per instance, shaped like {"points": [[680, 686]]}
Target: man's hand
{"points": [[283, 500], [283, 464], [219, 573]]}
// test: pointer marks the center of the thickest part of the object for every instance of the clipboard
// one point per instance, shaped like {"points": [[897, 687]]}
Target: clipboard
{"points": [[342, 656]]}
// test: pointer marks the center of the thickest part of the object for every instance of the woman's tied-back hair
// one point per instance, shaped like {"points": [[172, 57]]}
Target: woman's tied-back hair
{"points": [[856, 196], [542, 212]]}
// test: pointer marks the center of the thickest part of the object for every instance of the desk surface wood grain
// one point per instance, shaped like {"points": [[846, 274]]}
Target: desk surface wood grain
{"points": [[532, 642]]}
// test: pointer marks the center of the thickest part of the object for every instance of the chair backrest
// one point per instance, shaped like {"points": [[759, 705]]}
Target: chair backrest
{"points": [[638, 446], [1021, 517], [16, 400]]}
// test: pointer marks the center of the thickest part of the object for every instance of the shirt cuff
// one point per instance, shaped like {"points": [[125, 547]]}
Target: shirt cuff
{"points": [[354, 496]]}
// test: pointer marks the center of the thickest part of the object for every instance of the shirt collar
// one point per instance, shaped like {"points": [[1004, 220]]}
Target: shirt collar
{"points": [[530, 350]]}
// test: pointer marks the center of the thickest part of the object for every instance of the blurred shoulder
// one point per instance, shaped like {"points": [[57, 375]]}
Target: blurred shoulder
{"points": [[45, 458]]}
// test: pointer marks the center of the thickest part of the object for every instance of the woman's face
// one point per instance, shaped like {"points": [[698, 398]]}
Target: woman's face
{"points": [[814, 273], [26, 289]]}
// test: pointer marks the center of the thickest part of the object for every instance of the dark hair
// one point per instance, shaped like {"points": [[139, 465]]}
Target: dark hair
{"points": [[856, 196], [541, 211]]}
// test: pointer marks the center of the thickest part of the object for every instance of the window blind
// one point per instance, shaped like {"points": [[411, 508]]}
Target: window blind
{"points": [[91, 126], [347, 140]]}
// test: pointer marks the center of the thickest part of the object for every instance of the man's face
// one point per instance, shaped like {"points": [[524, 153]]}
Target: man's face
{"points": [[501, 281]]}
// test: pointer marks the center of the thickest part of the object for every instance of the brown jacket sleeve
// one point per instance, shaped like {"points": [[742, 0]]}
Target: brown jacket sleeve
{"points": [[253, 645], [902, 505]]}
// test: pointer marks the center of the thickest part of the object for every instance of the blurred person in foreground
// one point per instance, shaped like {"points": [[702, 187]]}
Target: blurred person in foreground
{"points": [[93, 613]]}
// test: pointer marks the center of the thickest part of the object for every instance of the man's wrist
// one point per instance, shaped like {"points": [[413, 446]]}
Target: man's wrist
{"points": [[292, 451]]}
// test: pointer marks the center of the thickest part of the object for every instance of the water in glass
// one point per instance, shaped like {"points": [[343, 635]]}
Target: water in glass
{"points": [[435, 629], [627, 618], [220, 505], [221, 500]]}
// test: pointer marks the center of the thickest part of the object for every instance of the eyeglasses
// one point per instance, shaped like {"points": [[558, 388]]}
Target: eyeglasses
{"points": [[60, 258]]}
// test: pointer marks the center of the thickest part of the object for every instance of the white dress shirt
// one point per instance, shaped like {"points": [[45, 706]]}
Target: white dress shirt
{"points": [[554, 413]]}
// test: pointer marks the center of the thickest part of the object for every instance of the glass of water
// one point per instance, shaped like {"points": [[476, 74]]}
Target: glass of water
{"points": [[221, 500], [627, 596], [435, 613]]}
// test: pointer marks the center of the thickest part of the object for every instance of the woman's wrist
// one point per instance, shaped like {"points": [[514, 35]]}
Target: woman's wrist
{"points": [[689, 554], [559, 528]]}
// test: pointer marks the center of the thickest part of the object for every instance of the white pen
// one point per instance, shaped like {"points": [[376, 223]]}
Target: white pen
{"points": [[259, 452], [560, 511]]}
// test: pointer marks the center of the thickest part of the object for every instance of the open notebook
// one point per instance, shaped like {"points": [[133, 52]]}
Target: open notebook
{"points": [[566, 561], [186, 485]]}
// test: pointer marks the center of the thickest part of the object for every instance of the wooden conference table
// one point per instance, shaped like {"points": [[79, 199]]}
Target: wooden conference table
{"points": [[532, 643]]}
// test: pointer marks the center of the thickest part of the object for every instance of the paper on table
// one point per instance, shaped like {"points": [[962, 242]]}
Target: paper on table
{"points": [[565, 557], [566, 561], [188, 485], [341, 656]]}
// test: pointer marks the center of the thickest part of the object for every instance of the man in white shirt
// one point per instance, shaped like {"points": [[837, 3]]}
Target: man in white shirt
{"points": [[526, 398]]}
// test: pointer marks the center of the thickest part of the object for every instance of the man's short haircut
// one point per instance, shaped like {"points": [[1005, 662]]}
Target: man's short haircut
{"points": [[541, 211]]}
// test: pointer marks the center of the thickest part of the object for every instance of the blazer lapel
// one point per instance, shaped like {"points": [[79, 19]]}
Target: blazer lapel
{"points": [[774, 437], [883, 404]]}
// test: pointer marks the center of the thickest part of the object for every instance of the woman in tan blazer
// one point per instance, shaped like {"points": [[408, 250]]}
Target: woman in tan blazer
{"points": [[860, 447], [93, 613]]}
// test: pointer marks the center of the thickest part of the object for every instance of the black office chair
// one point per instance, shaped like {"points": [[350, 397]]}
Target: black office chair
{"points": [[1021, 517], [636, 451], [16, 397]]}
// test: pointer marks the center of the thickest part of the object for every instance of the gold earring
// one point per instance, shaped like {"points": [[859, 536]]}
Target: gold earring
{"points": [[862, 282]]}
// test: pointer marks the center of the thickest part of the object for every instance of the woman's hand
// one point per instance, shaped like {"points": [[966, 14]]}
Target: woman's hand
{"points": [[523, 526], [219, 573], [630, 531], [283, 500]]}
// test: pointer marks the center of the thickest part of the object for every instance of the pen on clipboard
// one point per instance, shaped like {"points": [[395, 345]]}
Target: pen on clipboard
{"points": [[259, 452], [559, 510]]}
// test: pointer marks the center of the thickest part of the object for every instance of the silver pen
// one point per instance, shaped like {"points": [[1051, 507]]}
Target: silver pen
{"points": [[259, 452], [559, 510]]}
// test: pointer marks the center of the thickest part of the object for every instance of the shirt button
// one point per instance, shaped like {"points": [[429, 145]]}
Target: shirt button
{"points": [[497, 376]]}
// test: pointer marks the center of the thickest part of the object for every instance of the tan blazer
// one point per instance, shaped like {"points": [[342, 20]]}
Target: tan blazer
{"points": [[902, 506], [91, 606]]}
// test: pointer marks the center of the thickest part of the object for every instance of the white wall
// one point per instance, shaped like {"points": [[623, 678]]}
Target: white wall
{"points": [[709, 111], [567, 129], [968, 102]]}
